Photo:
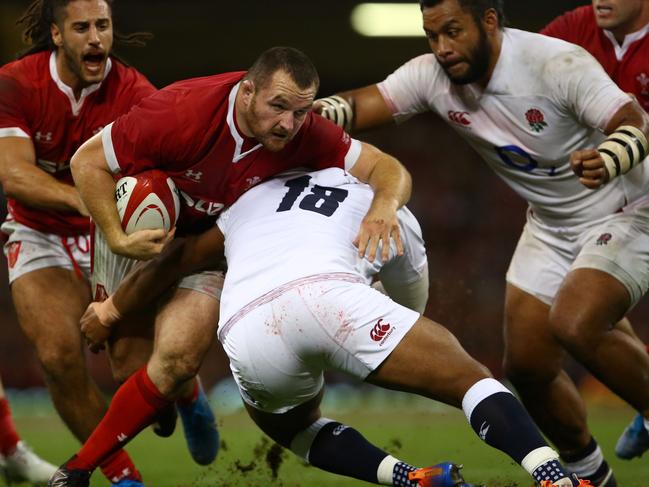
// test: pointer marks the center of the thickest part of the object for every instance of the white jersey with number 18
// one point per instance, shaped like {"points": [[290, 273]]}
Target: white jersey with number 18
{"points": [[302, 224]]}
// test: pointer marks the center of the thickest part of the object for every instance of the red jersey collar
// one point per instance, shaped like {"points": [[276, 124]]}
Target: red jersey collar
{"points": [[67, 91], [234, 130]]}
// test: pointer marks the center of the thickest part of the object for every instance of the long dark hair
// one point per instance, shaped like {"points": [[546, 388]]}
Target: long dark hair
{"points": [[41, 14]]}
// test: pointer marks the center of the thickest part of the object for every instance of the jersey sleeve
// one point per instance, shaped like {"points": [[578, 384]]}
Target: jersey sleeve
{"points": [[223, 222], [13, 103], [152, 135], [323, 144], [581, 86], [406, 91]]}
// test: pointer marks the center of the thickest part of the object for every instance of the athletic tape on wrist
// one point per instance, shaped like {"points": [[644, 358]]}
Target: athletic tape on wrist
{"points": [[338, 110], [623, 149], [107, 313]]}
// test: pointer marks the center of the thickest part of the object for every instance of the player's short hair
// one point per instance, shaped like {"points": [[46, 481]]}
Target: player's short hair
{"points": [[41, 14], [476, 8], [287, 59]]}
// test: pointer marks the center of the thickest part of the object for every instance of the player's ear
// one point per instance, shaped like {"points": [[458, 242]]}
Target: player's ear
{"points": [[490, 20], [247, 90], [57, 36]]}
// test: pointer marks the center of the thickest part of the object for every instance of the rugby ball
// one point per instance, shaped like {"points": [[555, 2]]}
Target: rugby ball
{"points": [[147, 201]]}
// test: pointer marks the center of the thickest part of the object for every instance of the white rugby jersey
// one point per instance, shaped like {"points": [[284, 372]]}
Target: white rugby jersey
{"points": [[302, 224], [546, 99]]}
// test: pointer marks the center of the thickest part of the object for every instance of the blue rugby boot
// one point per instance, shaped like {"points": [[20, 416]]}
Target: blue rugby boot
{"points": [[634, 441], [127, 483], [440, 475], [200, 429]]}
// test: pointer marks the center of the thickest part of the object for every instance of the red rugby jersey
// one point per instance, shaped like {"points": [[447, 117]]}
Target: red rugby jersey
{"points": [[627, 65], [189, 131], [35, 103]]}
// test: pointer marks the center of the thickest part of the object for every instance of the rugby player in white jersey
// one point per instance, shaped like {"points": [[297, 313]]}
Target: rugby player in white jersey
{"points": [[297, 301], [532, 107]]}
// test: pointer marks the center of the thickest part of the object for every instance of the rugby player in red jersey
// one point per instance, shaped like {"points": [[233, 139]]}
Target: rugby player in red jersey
{"points": [[58, 94], [616, 33], [216, 137]]}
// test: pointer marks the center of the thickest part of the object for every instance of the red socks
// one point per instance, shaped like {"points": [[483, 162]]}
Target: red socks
{"points": [[8, 434], [119, 466], [134, 407]]}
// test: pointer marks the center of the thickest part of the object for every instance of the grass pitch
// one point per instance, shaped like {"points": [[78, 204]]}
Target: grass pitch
{"points": [[247, 458]]}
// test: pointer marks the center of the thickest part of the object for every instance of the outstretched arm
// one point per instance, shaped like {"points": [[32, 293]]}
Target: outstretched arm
{"points": [[356, 110], [95, 183], [392, 185], [19, 175], [143, 286], [625, 147]]}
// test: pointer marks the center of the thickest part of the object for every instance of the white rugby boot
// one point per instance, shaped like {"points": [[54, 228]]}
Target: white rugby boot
{"points": [[23, 465]]}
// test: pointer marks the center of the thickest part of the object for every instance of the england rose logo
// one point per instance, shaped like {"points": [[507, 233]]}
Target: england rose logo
{"points": [[536, 119]]}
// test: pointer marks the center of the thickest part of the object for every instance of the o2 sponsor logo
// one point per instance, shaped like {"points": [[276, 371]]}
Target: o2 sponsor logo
{"points": [[517, 158]]}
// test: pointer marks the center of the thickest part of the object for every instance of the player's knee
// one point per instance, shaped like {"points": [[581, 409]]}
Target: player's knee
{"points": [[59, 362], [179, 367], [570, 330]]}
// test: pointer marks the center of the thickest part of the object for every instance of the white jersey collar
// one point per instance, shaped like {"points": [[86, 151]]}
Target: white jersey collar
{"points": [[499, 81], [500, 78], [238, 139], [629, 39], [76, 105]]}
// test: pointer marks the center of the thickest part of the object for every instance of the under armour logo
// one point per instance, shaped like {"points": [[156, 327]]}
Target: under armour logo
{"points": [[195, 175], [43, 137], [484, 429], [121, 437]]}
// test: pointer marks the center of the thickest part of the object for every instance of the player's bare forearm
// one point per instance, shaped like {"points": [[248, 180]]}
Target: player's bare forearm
{"points": [[181, 257], [20, 184], [369, 107], [392, 185], [96, 185], [390, 180], [356, 110], [20, 176], [626, 146], [630, 114]]}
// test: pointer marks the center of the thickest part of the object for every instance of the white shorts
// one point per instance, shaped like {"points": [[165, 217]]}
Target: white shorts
{"points": [[29, 250], [280, 344], [109, 270], [617, 245]]}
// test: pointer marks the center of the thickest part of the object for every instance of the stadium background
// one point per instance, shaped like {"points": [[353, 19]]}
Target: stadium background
{"points": [[470, 219]]}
